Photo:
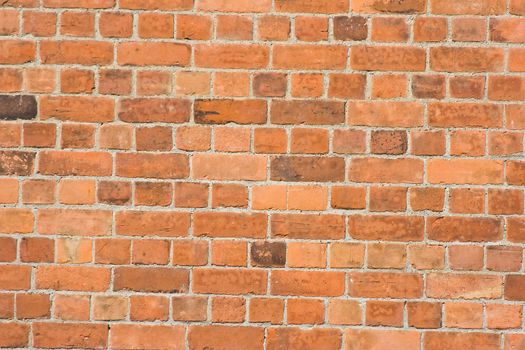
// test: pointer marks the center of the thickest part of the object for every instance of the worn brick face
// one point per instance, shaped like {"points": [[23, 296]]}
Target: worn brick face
{"points": [[263, 174]]}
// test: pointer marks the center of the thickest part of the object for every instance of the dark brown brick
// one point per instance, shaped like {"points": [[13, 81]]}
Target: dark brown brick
{"points": [[268, 254], [18, 107], [350, 28], [16, 163], [299, 168]]}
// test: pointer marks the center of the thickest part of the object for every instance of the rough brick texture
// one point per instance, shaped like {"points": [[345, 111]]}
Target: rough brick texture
{"points": [[262, 174]]}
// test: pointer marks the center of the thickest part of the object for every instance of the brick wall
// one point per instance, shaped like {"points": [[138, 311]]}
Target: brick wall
{"points": [[262, 174]]}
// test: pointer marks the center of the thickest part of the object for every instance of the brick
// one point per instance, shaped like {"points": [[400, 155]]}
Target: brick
{"points": [[150, 252], [268, 254], [153, 280], [156, 25], [464, 229], [384, 313], [193, 27], [467, 87], [73, 278], [87, 4], [306, 255], [424, 314], [112, 251], [38, 192], [503, 316], [388, 142], [229, 281], [14, 335], [385, 285], [7, 249], [369, 339], [294, 338], [16, 163], [149, 110], [349, 141], [438, 340], [234, 27], [86, 52], [17, 51], [115, 82], [189, 308], [464, 286], [311, 28], [466, 59], [313, 226], [320, 57], [190, 252], [469, 29], [514, 287], [395, 228], [309, 140], [150, 83], [430, 29], [389, 6], [132, 336], [387, 114], [80, 109], [388, 86], [190, 83], [306, 169], [350, 28], [217, 224], [39, 24], [307, 283], [388, 199], [164, 5], [18, 107], [11, 80], [347, 86], [463, 315], [78, 136], [269, 85], [228, 309], [77, 24], [229, 195], [67, 335], [386, 256], [311, 112], [515, 172], [344, 312], [347, 255], [16, 220], [116, 24], [15, 277], [229, 167], [144, 223], [393, 29], [224, 337], [153, 53], [234, 6], [71, 307], [385, 58], [266, 310], [229, 253], [465, 171], [230, 111], [386, 170], [74, 251], [464, 7], [506, 258], [231, 56], [465, 257], [428, 86], [321, 6], [160, 165], [37, 249], [110, 308]]}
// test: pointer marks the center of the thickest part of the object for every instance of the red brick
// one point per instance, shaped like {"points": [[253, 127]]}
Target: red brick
{"points": [[296, 338], [217, 224], [152, 280], [368, 339], [73, 278], [307, 283], [153, 54], [70, 335], [132, 336], [319, 57], [439, 340], [231, 56], [385, 285], [224, 337], [387, 58], [144, 223], [229, 281], [313, 226], [464, 286]]}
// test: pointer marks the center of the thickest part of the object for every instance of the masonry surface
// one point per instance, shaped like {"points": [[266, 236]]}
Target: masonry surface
{"points": [[262, 174]]}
